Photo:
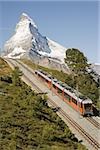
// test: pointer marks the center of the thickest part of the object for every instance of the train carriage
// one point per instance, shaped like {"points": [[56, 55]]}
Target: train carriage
{"points": [[84, 106]]}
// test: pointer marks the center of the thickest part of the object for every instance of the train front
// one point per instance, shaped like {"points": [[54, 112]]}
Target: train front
{"points": [[87, 107]]}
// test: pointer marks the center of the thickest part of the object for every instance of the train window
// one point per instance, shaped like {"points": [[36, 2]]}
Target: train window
{"points": [[68, 88], [59, 91], [43, 73], [46, 80], [81, 105], [67, 96], [63, 85], [54, 86], [87, 106], [55, 80], [59, 82], [74, 101]]}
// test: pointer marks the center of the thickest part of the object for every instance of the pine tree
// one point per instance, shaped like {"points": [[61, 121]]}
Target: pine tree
{"points": [[16, 76]]}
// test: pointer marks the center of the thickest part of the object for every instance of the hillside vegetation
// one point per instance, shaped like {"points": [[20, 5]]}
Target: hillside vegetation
{"points": [[4, 68], [26, 121], [79, 77]]}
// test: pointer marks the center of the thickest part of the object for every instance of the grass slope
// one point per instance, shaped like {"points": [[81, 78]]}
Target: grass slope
{"points": [[4, 68]]}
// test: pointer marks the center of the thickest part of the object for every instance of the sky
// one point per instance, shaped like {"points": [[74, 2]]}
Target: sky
{"points": [[73, 24]]}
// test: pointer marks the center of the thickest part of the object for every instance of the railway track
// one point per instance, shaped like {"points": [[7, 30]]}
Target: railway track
{"points": [[94, 122], [87, 137], [85, 134]]}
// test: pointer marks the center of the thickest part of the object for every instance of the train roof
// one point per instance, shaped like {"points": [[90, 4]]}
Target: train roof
{"points": [[89, 101], [73, 93], [64, 87], [43, 75]]}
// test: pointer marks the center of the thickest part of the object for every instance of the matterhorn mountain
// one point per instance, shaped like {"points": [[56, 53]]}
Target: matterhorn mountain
{"points": [[27, 42]]}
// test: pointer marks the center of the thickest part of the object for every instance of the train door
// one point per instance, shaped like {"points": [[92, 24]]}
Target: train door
{"points": [[67, 98], [74, 103], [54, 88], [80, 107], [49, 84]]}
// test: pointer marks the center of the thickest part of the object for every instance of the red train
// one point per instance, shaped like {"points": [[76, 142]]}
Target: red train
{"points": [[79, 103]]}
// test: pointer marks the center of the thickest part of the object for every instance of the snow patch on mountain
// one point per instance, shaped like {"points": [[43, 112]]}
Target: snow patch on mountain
{"points": [[96, 68], [17, 53], [58, 51]]}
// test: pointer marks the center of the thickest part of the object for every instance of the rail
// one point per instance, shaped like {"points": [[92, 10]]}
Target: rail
{"points": [[94, 122]]}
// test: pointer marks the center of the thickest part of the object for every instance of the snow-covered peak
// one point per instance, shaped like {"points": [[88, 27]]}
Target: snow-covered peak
{"points": [[24, 16]]}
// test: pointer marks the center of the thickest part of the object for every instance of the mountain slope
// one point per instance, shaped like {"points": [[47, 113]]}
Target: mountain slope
{"points": [[96, 68], [27, 39]]}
